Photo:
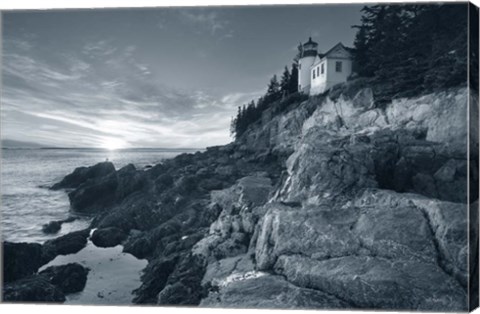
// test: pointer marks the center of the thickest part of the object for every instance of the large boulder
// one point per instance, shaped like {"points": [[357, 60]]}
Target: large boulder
{"points": [[67, 244], [426, 229], [377, 283], [108, 237], [378, 250], [54, 226], [21, 260], [325, 166], [32, 289], [68, 278], [98, 194], [82, 174], [315, 232]]}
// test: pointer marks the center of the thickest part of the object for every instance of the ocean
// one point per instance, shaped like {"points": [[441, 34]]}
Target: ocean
{"points": [[26, 174]]}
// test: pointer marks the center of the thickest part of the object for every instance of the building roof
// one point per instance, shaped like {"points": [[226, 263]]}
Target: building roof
{"points": [[322, 56], [326, 54]]}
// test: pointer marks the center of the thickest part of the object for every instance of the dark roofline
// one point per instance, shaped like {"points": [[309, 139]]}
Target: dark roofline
{"points": [[310, 41], [331, 49]]}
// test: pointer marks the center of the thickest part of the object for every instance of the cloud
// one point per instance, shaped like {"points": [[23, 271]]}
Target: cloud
{"points": [[199, 20], [101, 48], [238, 99], [102, 95], [207, 19]]}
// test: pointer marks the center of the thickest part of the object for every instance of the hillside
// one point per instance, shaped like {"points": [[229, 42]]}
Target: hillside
{"points": [[325, 204]]}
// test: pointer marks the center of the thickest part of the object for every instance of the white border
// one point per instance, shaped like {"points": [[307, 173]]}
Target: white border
{"points": [[52, 4]]}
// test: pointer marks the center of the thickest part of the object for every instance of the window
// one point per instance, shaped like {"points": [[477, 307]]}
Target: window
{"points": [[313, 73], [323, 68], [318, 71], [338, 66]]}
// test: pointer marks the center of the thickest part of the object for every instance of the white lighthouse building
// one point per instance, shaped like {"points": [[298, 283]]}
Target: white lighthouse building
{"points": [[319, 72]]}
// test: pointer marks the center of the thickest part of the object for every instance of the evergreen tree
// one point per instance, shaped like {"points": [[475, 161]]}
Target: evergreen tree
{"points": [[293, 83], [410, 49], [285, 82], [360, 52], [273, 91]]}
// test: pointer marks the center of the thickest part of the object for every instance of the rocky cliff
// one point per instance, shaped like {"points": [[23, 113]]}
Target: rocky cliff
{"points": [[370, 211], [327, 204]]}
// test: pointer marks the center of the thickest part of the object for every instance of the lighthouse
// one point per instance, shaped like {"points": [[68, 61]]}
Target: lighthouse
{"points": [[308, 55]]}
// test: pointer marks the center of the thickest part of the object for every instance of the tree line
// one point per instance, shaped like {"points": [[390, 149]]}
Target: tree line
{"points": [[413, 48], [276, 90]]}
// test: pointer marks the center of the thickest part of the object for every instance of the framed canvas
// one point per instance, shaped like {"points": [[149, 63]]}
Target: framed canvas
{"points": [[309, 156]]}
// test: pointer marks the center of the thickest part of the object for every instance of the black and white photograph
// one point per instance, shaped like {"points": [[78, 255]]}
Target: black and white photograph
{"points": [[284, 156]]}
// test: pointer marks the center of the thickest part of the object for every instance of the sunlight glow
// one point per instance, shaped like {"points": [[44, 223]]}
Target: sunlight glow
{"points": [[113, 143]]}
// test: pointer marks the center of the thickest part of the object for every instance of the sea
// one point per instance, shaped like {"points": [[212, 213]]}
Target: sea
{"points": [[26, 174]]}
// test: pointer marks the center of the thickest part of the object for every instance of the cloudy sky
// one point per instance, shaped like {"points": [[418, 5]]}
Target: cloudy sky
{"points": [[166, 77]]}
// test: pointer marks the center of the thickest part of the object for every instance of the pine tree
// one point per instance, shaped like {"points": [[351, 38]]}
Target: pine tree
{"points": [[293, 83], [273, 91], [410, 49], [285, 82], [360, 66]]}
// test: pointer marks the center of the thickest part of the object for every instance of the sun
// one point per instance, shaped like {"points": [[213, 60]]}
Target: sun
{"points": [[113, 144]]}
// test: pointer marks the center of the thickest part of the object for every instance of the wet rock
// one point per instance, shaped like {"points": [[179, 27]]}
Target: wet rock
{"points": [[52, 227], [138, 244], [21, 260], [68, 278], [176, 294], [82, 174], [108, 237], [32, 289], [129, 181], [97, 195], [156, 170], [164, 181], [140, 211], [154, 280], [186, 280], [94, 196], [68, 244]]}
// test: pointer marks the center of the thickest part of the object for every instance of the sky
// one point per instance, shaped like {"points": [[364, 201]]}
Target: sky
{"points": [[150, 77]]}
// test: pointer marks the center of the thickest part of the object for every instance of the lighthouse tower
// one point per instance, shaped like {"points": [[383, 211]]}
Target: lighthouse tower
{"points": [[309, 52]]}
